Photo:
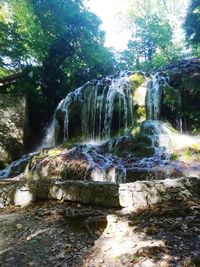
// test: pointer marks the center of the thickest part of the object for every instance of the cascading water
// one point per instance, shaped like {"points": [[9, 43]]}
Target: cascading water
{"points": [[51, 133], [104, 107], [98, 110], [154, 94]]}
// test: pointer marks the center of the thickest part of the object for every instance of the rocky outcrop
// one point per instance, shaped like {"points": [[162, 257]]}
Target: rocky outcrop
{"points": [[12, 125], [185, 78], [57, 163]]}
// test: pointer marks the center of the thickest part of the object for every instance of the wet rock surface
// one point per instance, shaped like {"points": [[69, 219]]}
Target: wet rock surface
{"points": [[185, 78], [95, 163], [185, 65]]}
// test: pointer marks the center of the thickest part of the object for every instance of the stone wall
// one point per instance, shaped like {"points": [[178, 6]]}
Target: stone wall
{"points": [[12, 125], [140, 194]]}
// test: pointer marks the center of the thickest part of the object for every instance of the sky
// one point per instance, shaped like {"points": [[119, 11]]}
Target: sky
{"points": [[116, 37]]}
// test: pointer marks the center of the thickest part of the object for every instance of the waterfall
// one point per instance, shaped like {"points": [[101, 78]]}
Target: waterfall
{"points": [[154, 94], [51, 133], [102, 107], [99, 110]]}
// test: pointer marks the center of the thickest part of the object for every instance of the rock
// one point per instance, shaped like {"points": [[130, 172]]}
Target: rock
{"points": [[2, 165], [139, 87], [185, 78], [195, 261], [23, 197], [15, 168], [13, 121]]}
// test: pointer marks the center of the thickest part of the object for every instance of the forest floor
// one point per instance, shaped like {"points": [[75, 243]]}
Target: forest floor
{"points": [[67, 234]]}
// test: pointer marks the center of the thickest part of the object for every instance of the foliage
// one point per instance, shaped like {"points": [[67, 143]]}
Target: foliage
{"points": [[152, 37], [159, 21], [173, 10], [136, 79], [58, 42], [192, 22], [34, 30]]}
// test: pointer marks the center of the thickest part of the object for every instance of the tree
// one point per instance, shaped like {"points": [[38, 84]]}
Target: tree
{"points": [[151, 34], [166, 9], [160, 22], [58, 43], [192, 22]]}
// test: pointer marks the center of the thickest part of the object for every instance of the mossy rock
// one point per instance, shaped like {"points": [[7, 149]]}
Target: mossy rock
{"points": [[138, 145], [141, 150], [171, 97], [140, 113], [191, 83], [136, 80], [73, 141], [60, 115], [54, 152], [187, 84], [139, 95], [143, 138], [2, 165], [143, 145]]}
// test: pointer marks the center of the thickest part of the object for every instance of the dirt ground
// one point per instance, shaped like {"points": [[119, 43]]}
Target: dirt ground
{"points": [[68, 234]]}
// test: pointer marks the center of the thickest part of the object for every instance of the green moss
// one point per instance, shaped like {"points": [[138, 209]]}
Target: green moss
{"points": [[70, 143], [54, 152], [135, 130], [187, 154], [170, 97], [136, 79], [191, 83], [138, 95], [144, 151], [135, 258], [196, 131], [190, 92], [142, 145], [117, 258], [174, 156], [141, 113]]}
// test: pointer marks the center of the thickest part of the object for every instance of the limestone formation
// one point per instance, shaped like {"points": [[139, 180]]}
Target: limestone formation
{"points": [[12, 124]]}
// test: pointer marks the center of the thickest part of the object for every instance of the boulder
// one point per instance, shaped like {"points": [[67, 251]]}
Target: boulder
{"points": [[13, 122]]}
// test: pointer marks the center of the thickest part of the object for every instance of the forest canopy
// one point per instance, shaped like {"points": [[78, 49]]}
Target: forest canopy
{"points": [[55, 45]]}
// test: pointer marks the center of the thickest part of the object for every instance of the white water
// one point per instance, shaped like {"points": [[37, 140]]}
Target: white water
{"points": [[51, 132], [154, 94], [103, 167], [99, 102], [165, 137], [5, 173]]}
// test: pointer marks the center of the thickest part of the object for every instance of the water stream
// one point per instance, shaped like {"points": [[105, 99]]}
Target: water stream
{"points": [[104, 106], [99, 110]]}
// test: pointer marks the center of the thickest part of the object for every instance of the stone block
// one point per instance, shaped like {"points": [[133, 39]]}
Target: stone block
{"points": [[153, 196], [126, 198]]}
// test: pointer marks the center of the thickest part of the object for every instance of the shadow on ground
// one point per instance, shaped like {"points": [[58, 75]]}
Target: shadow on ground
{"points": [[42, 235], [160, 236]]}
